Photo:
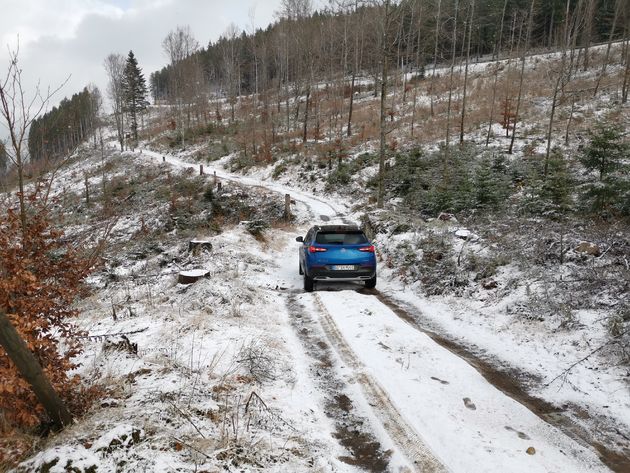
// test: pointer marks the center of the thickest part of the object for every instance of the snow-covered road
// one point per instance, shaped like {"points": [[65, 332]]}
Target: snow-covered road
{"points": [[431, 409]]}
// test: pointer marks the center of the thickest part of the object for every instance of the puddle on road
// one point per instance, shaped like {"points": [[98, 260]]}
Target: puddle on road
{"points": [[514, 384]]}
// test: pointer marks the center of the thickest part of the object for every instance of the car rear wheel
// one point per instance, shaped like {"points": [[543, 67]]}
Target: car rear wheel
{"points": [[308, 283], [371, 283]]}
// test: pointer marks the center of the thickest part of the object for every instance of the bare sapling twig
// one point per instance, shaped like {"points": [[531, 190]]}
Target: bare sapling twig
{"points": [[187, 417], [565, 372]]}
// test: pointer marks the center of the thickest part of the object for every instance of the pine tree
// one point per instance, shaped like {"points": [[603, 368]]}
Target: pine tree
{"points": [[134, 92]]}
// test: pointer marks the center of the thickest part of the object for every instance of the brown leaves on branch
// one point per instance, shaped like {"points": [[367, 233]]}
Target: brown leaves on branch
{"points": [[40, 277]]}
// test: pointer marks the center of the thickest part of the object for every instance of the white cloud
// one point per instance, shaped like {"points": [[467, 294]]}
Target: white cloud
{"points": [[61, 38]]}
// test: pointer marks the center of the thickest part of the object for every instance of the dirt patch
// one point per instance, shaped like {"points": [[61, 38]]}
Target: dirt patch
{"points": [[352, 430], [514, 383], [365, 450], [344, 402]]}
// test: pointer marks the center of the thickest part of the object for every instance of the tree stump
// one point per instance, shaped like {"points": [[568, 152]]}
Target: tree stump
{"points": [[191, 276]]}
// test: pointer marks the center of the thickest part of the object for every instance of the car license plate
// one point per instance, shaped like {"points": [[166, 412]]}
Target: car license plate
{"points": [[343, 267]]}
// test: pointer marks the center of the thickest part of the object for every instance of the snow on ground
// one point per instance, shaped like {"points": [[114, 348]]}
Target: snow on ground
{"points": [[226, 373], [447, 401], [468, 384]]}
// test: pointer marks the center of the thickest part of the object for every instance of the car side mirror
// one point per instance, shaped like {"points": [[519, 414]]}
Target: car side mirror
{"points": [[300, 239]]}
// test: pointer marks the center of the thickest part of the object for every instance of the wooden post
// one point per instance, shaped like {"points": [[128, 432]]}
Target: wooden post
{"points": [[32, 372], [163, 159], [287, 207], [201, 169], [215, 177]]}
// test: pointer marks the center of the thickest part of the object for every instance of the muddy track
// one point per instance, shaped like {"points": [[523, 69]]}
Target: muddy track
{"points": [[514, 384], [352, 430], [411, 445]]}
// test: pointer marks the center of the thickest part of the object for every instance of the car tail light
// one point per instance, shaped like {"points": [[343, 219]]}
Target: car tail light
{"points": [[316, 249], [367, 249]]}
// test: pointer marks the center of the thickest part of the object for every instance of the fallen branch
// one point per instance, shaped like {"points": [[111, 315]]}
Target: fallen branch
{"points": [[566, 371], [105, 336], [187, 417]]}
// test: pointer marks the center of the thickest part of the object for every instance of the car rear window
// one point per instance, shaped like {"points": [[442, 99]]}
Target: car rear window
{"points": [[341, 238]]}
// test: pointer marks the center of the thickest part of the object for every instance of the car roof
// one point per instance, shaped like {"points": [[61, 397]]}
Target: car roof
{"points": [[337, 228]]}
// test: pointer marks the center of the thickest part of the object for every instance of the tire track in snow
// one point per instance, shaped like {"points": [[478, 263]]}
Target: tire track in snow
{"points": [[351, 428], [411, 445], [510, 382]]}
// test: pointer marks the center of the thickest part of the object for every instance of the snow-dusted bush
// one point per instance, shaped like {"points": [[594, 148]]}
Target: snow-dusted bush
{"points": [[607, 155], [462, 179]]}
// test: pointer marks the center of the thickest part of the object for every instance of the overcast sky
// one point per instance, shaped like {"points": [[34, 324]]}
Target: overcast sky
{"points": [[72, 37]]}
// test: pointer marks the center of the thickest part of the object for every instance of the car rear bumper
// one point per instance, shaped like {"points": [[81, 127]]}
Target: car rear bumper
{"points": [[330, 275]]}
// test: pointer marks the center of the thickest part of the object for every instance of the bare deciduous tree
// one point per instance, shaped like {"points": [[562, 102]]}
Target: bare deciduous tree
{"points": [[451, 82], [435, 53], [386, 20], [18, 110], [563, 73], [179, 46], [469, 24], [618, 7], [522, 74], [496, 52], [115, 67]]}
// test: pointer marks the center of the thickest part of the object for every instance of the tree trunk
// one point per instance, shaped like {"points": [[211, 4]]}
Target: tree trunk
{"points": [[435, 53], [308, 94], [450, 87], [32, 372], [554, 104], [470, 28], [496, 74], [413, 110], [570, 120], [351, 104], [381, 159], [588, 31], [520, 85], [626, 76], [607, 56]]}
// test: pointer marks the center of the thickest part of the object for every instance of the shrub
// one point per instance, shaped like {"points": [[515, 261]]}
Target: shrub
{"points": [[208, 194], [241, 161], [340, 176], [256, 227], [40, 277], [438, 269], [279, 169]]}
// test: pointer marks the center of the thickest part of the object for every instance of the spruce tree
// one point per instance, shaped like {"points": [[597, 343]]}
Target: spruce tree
{"points": [[134, 93], [555, 191], [607, 154], [606, 150], [491, 182]]}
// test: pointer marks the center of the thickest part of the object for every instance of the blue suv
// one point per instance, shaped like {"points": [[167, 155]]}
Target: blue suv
{"points": [[336, 253]]}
